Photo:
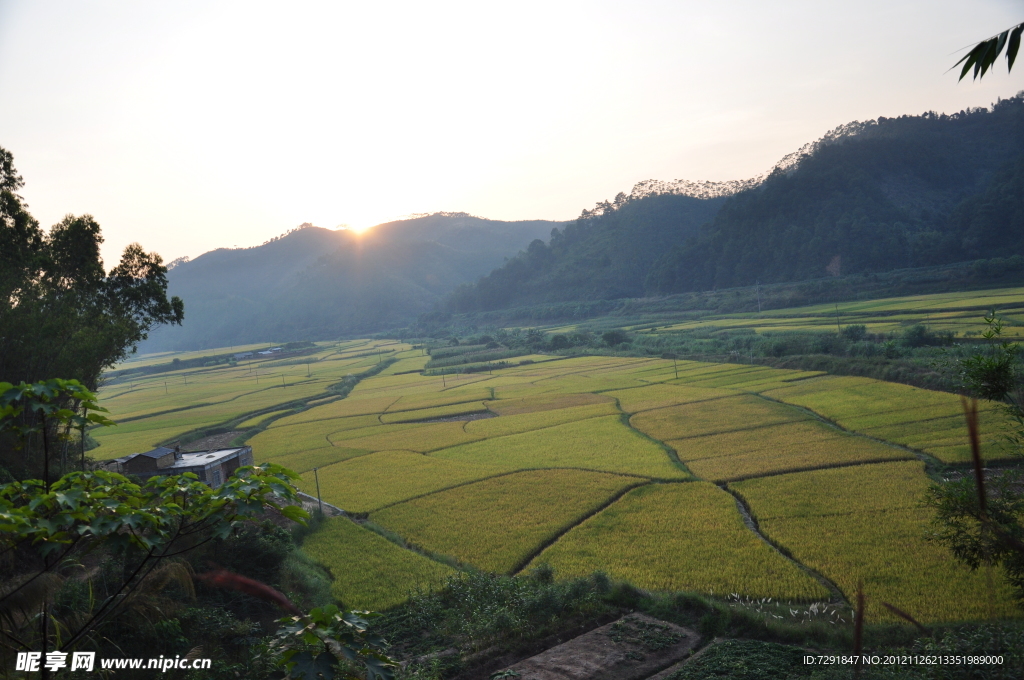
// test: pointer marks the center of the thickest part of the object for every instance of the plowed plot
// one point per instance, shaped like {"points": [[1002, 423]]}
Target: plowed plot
{"points": [[370, 482], [377, 573], [865, 522], [778, 448], [511, 407], [659, 396], [896, 412], [525, 422], [686, 536], [602, 444], [497, 523], [709, 417]]}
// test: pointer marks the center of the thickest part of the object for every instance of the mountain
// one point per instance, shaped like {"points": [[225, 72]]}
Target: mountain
{"points": [[314, 283], [870, 196], [605, 254]]}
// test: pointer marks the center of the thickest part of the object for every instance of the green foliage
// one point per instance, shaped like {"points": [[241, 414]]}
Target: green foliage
{"points": [[746, 660], [144, 526], [344, 638], [992, 372], [976, 536], [983, 56], [855, 332], [61, 314], [474, 611], [613, 338]]}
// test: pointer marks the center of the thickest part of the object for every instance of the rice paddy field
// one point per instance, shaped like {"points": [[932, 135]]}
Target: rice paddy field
{"points": [[957, 312], [715, 478]]}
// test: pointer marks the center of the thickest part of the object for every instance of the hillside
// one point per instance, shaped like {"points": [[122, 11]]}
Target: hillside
{"points": [[314, 283], [876, 196]]}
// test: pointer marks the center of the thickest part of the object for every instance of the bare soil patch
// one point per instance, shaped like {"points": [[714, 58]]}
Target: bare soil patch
{"points": [[632, 648], [214, 441]]}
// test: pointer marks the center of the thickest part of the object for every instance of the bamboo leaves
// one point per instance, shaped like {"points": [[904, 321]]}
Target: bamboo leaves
{"points": [[983, 56]]}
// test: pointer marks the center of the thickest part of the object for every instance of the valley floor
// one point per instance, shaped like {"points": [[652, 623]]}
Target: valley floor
{"points": [[738, 481]]}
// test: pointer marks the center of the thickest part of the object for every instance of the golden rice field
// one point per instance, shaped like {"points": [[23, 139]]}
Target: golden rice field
{"points": [[304, 461], [924, 419], [538, 420], [787, 447], [497, 523], [831, 467], [513, 406], [660, 395], [370, 482], [370, 572], [604, 444], [433, 412], [686, 536], [866, 523], [742, 412]]}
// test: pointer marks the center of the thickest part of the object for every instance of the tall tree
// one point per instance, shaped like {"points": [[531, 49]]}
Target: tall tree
{"points": [[61, 314]]}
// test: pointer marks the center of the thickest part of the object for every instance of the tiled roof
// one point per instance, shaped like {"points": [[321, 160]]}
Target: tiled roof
{"points": [[158, 452]]}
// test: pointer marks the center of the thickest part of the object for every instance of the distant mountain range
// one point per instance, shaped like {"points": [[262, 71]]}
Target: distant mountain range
{"points": [[314, 283], [870, 196]]}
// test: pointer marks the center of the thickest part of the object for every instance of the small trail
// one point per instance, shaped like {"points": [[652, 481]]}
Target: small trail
{"points": [[751, 523], [523, 563]]}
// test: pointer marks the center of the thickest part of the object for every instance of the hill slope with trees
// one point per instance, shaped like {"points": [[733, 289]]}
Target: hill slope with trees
{"points": [[875, 196]]}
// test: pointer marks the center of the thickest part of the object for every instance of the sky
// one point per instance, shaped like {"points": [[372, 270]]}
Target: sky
{"points": [[193, 125]]}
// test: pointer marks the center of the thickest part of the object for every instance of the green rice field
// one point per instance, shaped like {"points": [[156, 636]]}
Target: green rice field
{"points": [[957, 312]]}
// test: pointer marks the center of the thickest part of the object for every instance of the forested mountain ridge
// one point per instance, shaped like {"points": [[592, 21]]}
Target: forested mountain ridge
{"points": [[314, 283], [869, 197], [605, 254]]}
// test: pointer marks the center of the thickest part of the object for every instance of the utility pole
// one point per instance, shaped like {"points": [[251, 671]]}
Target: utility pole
{"points": [[757, 286], [444, 383], [319, 502], [165, 387]]}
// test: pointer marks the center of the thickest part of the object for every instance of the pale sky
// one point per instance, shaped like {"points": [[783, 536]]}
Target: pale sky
{"points": [[192, 125]]}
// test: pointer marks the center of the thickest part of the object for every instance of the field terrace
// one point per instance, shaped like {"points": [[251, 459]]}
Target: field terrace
{"points": [[726, 480]]}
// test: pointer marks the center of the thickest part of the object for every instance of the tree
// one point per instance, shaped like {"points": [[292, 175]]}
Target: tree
{"points": [[977, 526], [61, 314], [614, 337], [983, 56]]}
